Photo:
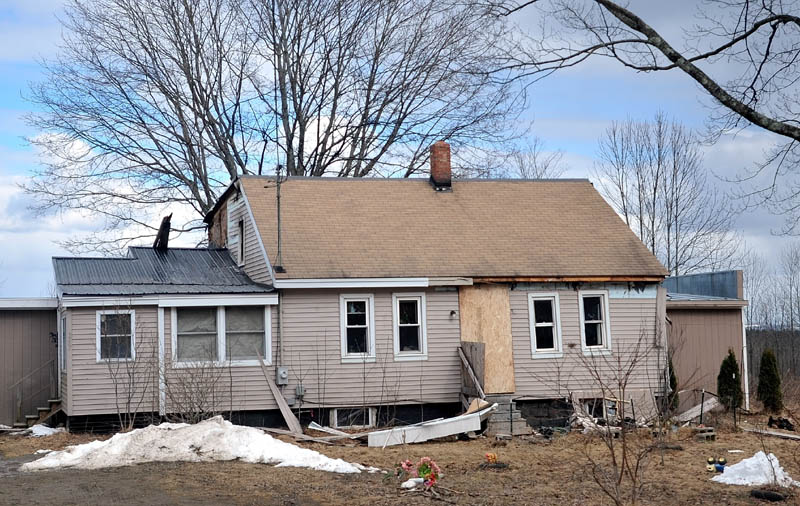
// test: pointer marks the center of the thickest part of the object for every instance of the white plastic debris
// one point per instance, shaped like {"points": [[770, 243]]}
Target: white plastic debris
{"points": [[210, 440], [40, 430], [759, 469], [412, 483]]}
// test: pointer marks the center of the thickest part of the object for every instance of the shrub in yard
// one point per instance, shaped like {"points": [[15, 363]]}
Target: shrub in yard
{"points": [[672, 399], [769, 383], [729, 384]]}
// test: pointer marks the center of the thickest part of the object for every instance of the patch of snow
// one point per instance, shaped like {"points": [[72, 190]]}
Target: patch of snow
{"points": [[4, 426], [412, 483], [42, 451], [40, 430], [759, 469], [210, 440]]}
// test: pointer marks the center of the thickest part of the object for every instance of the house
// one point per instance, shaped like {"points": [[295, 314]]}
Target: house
{"points": [[705, 314], [363, 295]]}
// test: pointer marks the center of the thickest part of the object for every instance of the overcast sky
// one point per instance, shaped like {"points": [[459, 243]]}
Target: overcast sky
{"points": [[571, 110]]}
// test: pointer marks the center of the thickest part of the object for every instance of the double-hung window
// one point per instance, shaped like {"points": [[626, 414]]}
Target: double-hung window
{"points": [[545, 325], [237, 335], [115, 335], [197, 336], [410, 339], [357, 327], [595, 329]]}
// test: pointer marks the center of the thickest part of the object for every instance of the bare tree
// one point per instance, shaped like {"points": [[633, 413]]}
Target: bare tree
{"points": [[522, 159], [652, 174], [756, 41], [154, 103]]}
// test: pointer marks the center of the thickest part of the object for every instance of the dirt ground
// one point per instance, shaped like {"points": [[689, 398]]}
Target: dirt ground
{"points": [[539, 472]]}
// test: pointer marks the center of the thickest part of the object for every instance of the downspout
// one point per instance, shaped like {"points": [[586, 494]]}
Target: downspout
{"points": [[744, 363]]}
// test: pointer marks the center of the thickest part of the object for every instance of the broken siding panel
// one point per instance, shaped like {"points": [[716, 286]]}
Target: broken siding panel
{"points": [[312, 349], [92, 387], [632, 319], [255, 265]]}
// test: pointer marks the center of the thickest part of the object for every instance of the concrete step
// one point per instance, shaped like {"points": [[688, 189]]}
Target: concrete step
{"points": [[706, 436], [517, 428]]}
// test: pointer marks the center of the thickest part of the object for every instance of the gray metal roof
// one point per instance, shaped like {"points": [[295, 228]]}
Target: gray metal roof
{"points": [[147, 271]]}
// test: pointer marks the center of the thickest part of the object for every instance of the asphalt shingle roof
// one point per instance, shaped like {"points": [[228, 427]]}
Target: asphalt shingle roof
{"points": [[146, 271], [370, 227]]}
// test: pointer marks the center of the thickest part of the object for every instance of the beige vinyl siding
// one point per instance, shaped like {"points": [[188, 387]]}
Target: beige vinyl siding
{"points": [[312, 349], [236, 387], [255, 265], [631, 319], [25, 349], [91, 388]]}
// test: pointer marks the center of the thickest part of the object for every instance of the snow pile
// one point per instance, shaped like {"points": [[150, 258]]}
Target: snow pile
{"points": [[40, 430], [213, 439], [759, 469]]}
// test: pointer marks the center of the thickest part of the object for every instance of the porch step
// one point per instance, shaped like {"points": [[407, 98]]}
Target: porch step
{"points": [[507, 419], [20, 425], [30, 420], [43, 410]]}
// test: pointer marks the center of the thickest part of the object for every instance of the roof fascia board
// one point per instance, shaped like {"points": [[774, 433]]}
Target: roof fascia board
{"points": [[258, 234], [218, 203], [29, 303], [568, 279], [449, 281], [173, 300], [353, 283], [706, 304]]}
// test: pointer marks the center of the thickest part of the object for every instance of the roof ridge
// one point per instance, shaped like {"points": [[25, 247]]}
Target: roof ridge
{"points": [[418, 179]]}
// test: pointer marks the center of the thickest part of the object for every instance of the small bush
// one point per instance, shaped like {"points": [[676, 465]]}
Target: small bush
{"points": [[729, 382], [672, 399], [769, 383]]}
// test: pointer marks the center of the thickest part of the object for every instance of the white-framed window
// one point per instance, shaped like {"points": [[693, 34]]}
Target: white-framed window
{"points": [[357, 320], [225, 335], [545, 324], [409, 328], [116, 335], [240, 249], [595, 323], [353, 418]]}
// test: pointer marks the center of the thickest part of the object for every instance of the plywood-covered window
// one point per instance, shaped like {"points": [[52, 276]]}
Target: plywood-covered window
{"points": [[357, 327], [545, 325], [115, 335], [410, 339], [595, 329]]}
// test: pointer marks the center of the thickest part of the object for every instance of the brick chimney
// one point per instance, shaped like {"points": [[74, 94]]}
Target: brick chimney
{"points": [[440, 166]]}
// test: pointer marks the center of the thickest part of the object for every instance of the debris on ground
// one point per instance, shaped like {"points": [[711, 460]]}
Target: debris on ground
{"points": [[759, 469], [211, 440], [768, 495], [780, 423], [40, 430], [432, 429]]}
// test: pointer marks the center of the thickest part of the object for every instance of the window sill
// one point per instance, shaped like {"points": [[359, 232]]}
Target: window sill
{"points": [[590, 352], [410, 357], [358, 360], [547, 354], [197, 364], [114, 360], [247, 363]]}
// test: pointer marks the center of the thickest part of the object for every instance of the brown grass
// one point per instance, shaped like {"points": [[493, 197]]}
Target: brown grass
{"points": [[12, 445]]}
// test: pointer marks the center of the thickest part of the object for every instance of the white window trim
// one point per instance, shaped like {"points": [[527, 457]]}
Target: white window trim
{"points": [[97, 335], [557, 352], [62, 342], [222, 360], [605, 349], [352, 358], [334, 419], [401, 356]]}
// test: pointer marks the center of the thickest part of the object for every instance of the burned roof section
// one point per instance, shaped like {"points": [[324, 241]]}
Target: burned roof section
{"points": [[148, 271]]}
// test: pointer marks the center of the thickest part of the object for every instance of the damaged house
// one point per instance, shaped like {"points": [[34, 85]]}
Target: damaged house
{"points": [[371, 300]]}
